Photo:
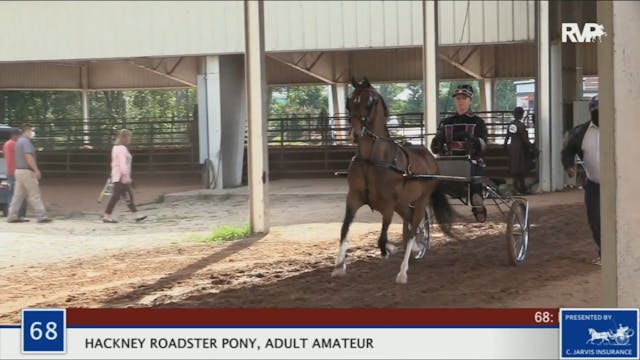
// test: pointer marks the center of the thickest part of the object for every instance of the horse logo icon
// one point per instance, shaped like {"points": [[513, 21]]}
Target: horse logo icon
{"points": [[620, 337], [598, 32]]}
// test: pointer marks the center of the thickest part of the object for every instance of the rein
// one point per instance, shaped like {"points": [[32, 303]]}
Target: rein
{"points": [[366, 132], [391, 165]]}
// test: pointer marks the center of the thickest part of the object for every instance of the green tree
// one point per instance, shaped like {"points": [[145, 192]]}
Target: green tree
{"points": [[390, 92], [288, 100], [299, 112], [505, 95], [415, 98]]}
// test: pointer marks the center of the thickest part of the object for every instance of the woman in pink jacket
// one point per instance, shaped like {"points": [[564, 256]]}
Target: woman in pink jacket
{"points": [[121, 177]]}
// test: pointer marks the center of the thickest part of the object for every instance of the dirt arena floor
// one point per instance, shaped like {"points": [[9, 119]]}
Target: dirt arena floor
{"points": [[77, 261]]}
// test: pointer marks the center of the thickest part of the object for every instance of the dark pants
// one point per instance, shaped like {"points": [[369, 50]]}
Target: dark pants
{"points": [[12, 184], [519, 183], [592, 200], [476, 188], [121, 190]]}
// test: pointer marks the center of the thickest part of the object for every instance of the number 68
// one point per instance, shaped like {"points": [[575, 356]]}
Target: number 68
{"points": [[36, 332]]}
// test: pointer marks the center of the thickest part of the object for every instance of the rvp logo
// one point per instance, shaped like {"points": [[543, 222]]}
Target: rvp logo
{"points": [[589, 32]]}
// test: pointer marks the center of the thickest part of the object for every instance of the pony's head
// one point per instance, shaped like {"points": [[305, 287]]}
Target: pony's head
{"points": [[367, 111]]}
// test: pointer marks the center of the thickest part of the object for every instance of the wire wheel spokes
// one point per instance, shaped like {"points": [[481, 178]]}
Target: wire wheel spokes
{"points": [[423, 237], [517, 234]]}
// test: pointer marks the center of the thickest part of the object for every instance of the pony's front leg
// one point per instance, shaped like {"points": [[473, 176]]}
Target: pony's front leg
{"points": [[410, 241], [353, 204]]}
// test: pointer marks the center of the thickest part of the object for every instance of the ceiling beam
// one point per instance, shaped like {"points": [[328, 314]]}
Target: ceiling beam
{"points": [[175, 66], [462, 67], [168, 76], [302, 69]]}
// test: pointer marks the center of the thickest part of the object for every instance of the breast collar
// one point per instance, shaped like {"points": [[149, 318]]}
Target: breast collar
{"points": [[391, 165]]}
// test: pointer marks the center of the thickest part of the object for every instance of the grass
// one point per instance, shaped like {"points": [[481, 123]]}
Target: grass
{"points": [[223, 234], [222, 197], [204, 197]]}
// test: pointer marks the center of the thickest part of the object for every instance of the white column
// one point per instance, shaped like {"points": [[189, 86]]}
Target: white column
{"points": [[338, 98], [203, 123], [84, 74], [338, 106], [234, 118], [556, 115], [543, 90], [619, 73], [488, 98], [210, 116], [429, 69], [258, 164]]}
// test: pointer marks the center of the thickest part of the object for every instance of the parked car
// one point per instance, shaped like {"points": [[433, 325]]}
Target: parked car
{"points": [[5, 134]]}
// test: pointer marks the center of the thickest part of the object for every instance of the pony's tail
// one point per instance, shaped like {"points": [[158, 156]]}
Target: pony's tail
{"points": [[443, 211]]}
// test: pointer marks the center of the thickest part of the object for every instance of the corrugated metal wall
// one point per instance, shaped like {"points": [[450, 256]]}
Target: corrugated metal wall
{"points": [[477, 22], [39, 76], [110, 29], [307, 25], [516, 61], [118, 29]]}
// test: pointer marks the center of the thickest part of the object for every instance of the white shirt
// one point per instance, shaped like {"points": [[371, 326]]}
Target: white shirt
{"points": [[591, 153]]}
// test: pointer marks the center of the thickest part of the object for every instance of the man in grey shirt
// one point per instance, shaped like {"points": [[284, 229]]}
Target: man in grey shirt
{"points": [[27, 179]]}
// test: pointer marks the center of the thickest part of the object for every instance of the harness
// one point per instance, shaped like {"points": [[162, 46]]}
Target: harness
{"points": [[391, 165], [398, 149]]}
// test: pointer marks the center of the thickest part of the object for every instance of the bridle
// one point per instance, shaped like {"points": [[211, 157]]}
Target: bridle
{"points": [[366, 131], [365, 119]]}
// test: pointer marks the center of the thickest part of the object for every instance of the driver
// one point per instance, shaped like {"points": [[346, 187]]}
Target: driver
{"points": [[465, 134]]}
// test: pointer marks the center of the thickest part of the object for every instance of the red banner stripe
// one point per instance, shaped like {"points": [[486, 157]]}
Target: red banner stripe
{"points": [[311, 317]]}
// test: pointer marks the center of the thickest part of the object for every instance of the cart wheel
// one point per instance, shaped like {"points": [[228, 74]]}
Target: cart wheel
{"points": [[423, 237], [208, 176], [517, 232]]}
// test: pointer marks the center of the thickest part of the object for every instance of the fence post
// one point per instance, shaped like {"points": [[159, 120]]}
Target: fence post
{"points": [[151, 134], [281, 131]]}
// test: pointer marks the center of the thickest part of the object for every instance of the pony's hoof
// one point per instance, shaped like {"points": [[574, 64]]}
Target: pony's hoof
{"points": [[339, 271], [391, 249], [401, 278]]}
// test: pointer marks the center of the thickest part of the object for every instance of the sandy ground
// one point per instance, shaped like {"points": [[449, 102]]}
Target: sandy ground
{"points": [[82, 262]]}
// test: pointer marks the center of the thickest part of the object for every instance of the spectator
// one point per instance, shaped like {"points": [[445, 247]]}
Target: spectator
{"points": [[121, 177], [584, 141], [9, 150], [518, 150], [27, 178]]}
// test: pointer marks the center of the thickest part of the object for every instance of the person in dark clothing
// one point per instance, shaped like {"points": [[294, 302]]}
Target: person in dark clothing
{"points": [[584, 141], [519, 150], [465, 134]]}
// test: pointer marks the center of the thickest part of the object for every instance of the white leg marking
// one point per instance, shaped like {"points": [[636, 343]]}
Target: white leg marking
{"points": [[340, 267], [416, 247], [401, 278], [391, 249], [341, 253]]}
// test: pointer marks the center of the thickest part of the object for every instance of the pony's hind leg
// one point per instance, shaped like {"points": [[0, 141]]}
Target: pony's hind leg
{"points": [[353, 204], [386, 249], [410, 240]]}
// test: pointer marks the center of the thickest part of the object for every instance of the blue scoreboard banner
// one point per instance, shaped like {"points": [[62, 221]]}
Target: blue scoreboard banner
{"points": [[303, 333], [599, 333], [44, 331]]}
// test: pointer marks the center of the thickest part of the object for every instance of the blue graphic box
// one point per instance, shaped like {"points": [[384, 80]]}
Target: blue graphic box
{"points": [[44, 331], [599, 333]]}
